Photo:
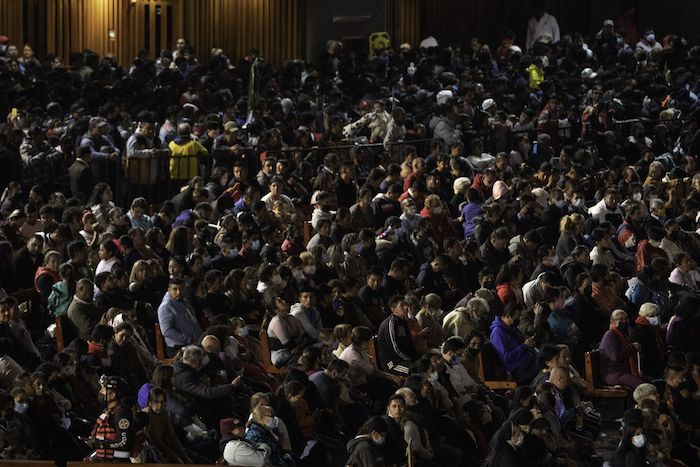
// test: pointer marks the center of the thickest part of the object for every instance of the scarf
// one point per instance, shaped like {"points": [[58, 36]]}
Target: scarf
{"points": [[642, 321], [625, 343]]}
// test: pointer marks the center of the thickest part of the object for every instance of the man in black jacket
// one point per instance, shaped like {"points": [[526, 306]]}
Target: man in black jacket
{"points": [[395, 347], [27, 260], [82, 179]]}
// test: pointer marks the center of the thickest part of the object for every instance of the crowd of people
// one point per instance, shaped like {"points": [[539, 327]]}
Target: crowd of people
{"points": [[331, 250]]}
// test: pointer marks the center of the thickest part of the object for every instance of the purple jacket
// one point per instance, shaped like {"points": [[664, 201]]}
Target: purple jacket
{"points": [[508, 344], [614, 356]]}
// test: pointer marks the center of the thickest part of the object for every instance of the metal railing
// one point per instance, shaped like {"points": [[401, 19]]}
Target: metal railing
{"points": [[151, 178]]}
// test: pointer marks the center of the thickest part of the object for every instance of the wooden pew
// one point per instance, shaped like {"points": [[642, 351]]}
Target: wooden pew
{"points": [[265, 354], [492, 372], [594, 385], [64, 333], [92, 464], [160, 346], [27, 463]]}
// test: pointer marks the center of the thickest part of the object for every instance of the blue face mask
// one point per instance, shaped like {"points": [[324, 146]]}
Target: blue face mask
{"points": [[456, 360], [232, 253], [379, 442]]}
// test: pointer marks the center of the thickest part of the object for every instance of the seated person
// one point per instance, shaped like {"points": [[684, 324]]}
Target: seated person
{"points": [[618, 362], [286, 336], [394, 345], [514, 351]]}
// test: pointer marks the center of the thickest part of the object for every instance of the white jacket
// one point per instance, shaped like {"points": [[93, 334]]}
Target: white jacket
{"points": [[244, 454]]}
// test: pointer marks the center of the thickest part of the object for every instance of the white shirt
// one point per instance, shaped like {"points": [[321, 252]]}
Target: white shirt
{"points": [[537, 28]]}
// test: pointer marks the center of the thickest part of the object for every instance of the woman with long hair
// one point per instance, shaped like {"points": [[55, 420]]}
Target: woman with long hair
{"points": [[180, 241], [101, 202]]}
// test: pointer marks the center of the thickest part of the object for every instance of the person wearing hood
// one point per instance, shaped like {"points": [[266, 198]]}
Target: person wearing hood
{"points": [[504, 448], [443, 125], [184, 157], [618, 362], [177, 318], [574, 265], [641, 289], [514, 351], [365, 449]]}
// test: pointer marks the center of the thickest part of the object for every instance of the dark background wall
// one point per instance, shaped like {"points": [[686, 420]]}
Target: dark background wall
{"points": [[287, 29], [362, 17]]}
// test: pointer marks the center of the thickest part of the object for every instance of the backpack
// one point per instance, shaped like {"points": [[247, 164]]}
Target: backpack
{"points": [[60, 299]]}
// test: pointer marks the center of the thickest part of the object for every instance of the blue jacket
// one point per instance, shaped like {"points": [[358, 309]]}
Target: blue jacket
{"points": [[508, 344], [178, 323], [258, 434]]}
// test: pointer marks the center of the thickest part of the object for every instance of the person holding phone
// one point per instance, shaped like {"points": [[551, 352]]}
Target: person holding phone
{"points": [[515, 351]]}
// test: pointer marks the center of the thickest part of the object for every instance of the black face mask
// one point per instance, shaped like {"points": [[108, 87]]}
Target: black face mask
{"points": [[472, 352], [622, 327]]}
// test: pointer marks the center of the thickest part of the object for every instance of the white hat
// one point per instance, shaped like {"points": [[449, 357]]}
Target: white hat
{"points": [[428, 42], [541, 197], [588, 73], [488, 103], [460, 184], [443, 96]]}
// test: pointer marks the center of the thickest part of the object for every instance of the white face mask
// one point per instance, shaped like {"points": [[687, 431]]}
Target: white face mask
{"points": [[255, 245], [561, 203], [637, 196], [580, 203], [244, 331], [653, 320], [433, 377], [232, 253], [411, 211], [309, 270], [21, 407], [651, 37], [630, 242], [639, 441]]}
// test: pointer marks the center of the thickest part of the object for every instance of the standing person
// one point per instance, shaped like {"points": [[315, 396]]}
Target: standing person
{"points": [[184, 157], [540, 24], [112, 435], [143, 152], [82, 178]]}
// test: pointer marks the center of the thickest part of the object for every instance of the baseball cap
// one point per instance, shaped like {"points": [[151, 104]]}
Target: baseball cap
{"points": [[230, 127], [98, 122], [588, 73], [488, 103], [443, 96]]}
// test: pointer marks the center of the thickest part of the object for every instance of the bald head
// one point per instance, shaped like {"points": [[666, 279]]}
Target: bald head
{"points": [[211, 344], [559, 377], [84, 289], [184, 129]]}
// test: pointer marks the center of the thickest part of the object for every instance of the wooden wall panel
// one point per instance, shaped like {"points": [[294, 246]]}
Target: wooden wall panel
{"points": [[403, 21], [275, 27], [12, 21]]}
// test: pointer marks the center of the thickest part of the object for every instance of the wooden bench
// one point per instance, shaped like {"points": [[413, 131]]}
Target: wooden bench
{"points": [[92, 464], [265, 354], [64, 333], [594, 385], [28, 463], [492, 371], [160, 346], [308, 230]]}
